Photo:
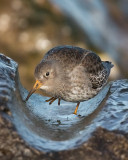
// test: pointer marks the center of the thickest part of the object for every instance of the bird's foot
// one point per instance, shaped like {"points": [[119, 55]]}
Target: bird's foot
{"points": [[51, 100]]}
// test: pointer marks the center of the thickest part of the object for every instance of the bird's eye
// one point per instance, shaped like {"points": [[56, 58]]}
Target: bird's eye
{"points": [[47, 74]]}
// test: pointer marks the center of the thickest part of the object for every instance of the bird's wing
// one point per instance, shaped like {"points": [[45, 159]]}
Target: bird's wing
{"points": [[95, 69], [66, 54], [71, 57]]}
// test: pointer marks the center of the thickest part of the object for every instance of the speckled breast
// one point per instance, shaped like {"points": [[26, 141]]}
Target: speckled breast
{"points": [[78, 87]]}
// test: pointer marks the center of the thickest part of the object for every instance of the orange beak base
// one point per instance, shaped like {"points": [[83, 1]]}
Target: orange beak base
{"points": [[37, 85]]}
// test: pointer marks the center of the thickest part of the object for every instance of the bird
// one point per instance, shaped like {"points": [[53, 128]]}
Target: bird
{"points": [[71, 74]]}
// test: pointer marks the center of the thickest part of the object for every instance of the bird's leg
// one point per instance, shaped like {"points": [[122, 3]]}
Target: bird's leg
{"points": [[59, 101], [52, 100], [49, 99], [75, 112]]}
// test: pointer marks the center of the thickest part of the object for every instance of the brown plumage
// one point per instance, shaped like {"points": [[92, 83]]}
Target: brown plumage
{"points": [[71, 73]]}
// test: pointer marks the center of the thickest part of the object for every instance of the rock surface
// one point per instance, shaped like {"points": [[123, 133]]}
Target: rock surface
{"points": [[71, 136], [102, 145]]}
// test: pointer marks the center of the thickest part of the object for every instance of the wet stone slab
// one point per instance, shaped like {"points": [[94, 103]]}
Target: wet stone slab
{"points": [[51, 128]]}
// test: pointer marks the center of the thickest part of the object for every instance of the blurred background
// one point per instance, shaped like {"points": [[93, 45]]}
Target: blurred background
{"points": [[29, 28]]}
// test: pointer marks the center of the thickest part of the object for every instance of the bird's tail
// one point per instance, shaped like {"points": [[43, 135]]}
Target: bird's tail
{"points": [[108, 65]]}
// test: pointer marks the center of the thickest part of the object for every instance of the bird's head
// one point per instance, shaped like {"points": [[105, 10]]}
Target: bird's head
{"points": [[46, 75]]}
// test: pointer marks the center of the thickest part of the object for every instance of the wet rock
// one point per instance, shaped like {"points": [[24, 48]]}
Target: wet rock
{"points": [[31, 130], [102, 145]]}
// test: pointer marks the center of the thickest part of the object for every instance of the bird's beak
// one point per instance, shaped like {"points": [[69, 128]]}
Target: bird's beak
{"points": [[36, 86]]}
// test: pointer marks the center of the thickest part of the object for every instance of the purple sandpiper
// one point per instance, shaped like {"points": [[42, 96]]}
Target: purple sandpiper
{"points": [[72, 74]]}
